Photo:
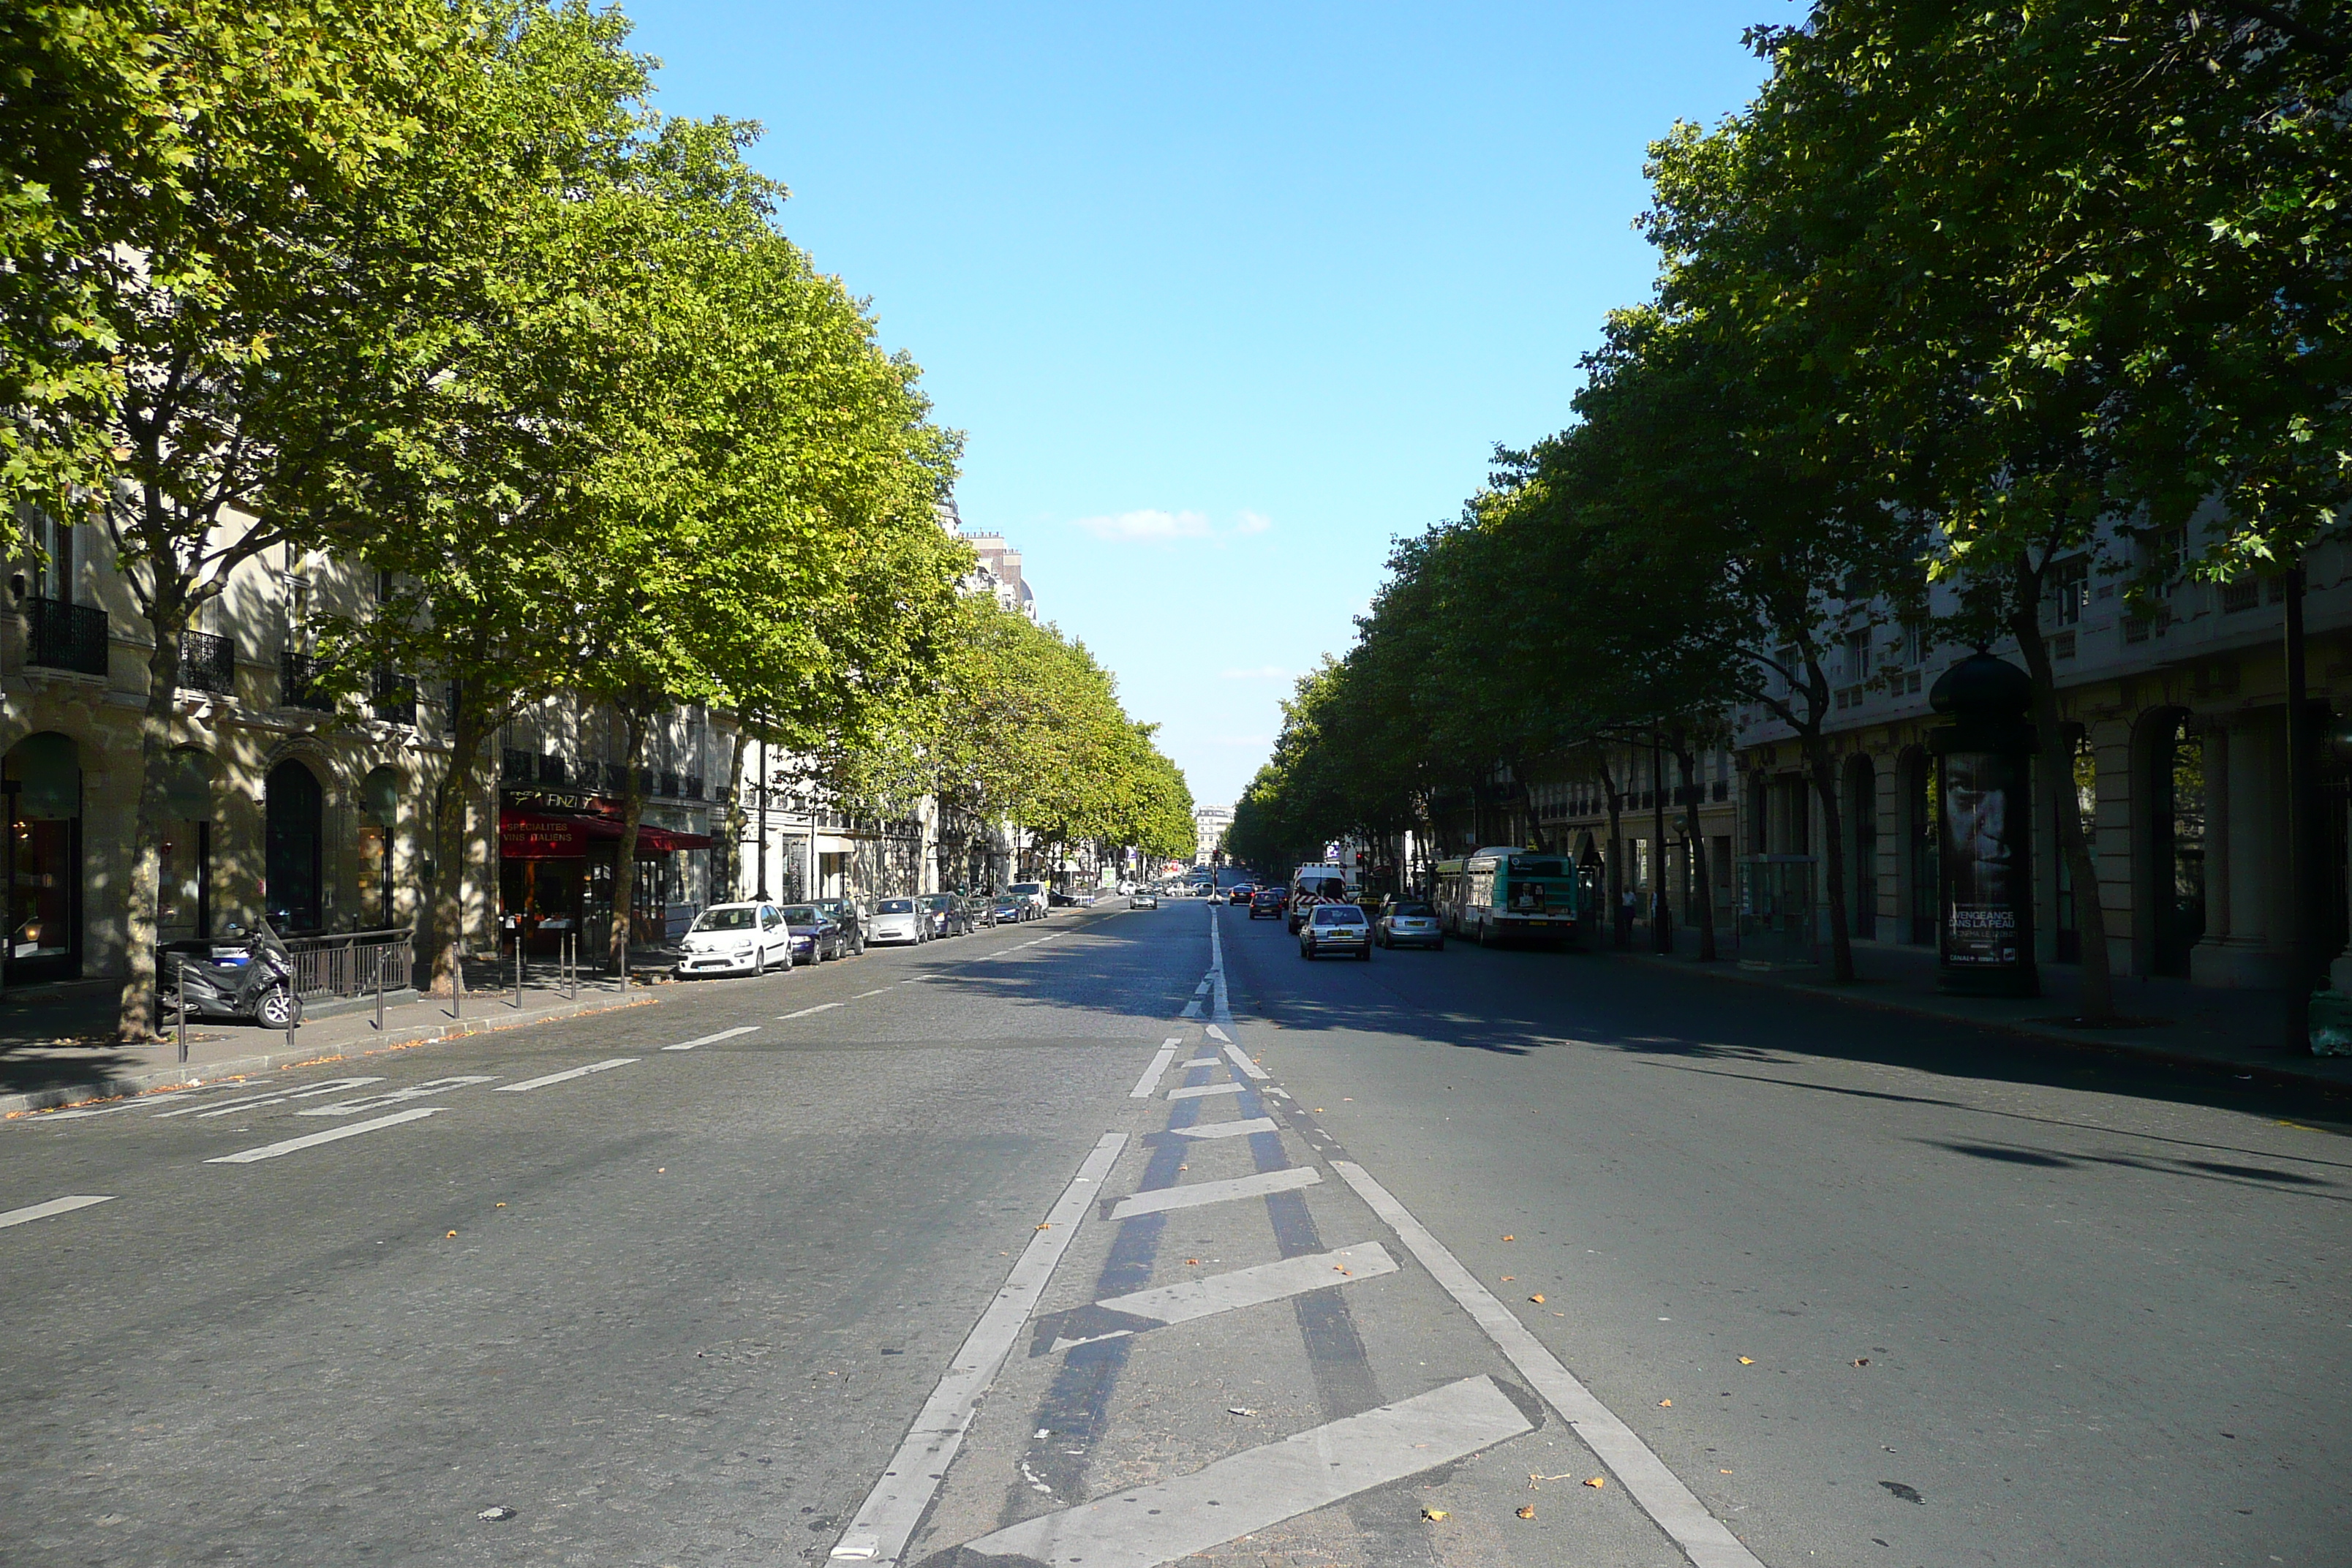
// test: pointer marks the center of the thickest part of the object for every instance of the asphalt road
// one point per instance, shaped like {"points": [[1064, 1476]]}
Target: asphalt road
{"points": [[925, 1257]]}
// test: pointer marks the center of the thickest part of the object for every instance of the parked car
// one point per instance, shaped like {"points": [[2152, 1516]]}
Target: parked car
{"points": [[1268, 902], [734, 939], [852, 921], [1033, 898], [1335, 928], [816, 935], [1057, 899], [1143, 899], [899, 920], [946, 913], [1407, 922]]}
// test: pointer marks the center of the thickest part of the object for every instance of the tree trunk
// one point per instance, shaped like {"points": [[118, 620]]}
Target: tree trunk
{"points": [[726, 867], [443, 937], [1698, 865], [2057, 765], [1823, 766], [167, 615], [625, 868], [1616, 854], [1662, 924]]}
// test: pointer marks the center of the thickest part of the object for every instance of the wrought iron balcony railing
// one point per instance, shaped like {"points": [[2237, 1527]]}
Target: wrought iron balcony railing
{"points": [[208, 663], [298, 685], [551, 770], [515, 766], [66, 637], [394, 697]]}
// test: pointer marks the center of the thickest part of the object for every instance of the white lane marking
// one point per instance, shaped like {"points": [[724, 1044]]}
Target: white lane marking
{"points": [[1207, 1088], [1248, 1067], [135, 1102], [1229, 1128], [1246, 1288], [731, 1034], [1150, 1079], [888, 1515], [207, 1108], [1660, 1492], [431, 1086], [1217, 1034], [55, 1206], [820, 1007], [878, 991], [1205, 1062], [1262, 1184], [1192, 1009], [1202, 988], [527, 1084], [272, 1151], [1146, 1526]]}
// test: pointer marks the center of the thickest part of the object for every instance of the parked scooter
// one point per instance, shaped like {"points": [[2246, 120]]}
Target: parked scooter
{"points": [[251, 980]]}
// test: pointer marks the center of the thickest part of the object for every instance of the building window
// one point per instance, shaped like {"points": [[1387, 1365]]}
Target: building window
{"points": [[2066, 591]]}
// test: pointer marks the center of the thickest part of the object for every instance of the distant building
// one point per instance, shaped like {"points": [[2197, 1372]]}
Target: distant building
{"points": [[999, 572], [1209, 825]]}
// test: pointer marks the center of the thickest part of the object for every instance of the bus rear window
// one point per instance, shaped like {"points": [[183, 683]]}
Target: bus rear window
{"points": [[1530, 866]]}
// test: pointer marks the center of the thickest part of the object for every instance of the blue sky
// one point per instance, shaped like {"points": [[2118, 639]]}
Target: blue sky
{"points": [[1224, 296]]}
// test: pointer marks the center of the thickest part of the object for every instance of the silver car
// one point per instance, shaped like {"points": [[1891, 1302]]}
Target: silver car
{"points": [[1143, 899], [1409, 924], [1335, 928]]}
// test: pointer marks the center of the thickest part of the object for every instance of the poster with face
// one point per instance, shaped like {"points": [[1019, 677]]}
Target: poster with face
{"points": [[1984, 855]]}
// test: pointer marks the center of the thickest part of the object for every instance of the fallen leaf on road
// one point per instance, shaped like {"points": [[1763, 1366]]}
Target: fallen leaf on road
{"points": [[1536, 1298], [1194, 1261], [450, 1236], [1047, 1226], [1907, 1493], [1510, 1239], [1665, 1404], [1529, 1511], [1434, 1514], [1239, 1410], [1598, 1481], [1337, 1268], [1509, 1277], [1864, 1361], [502, 1205], [1748, 1360]]}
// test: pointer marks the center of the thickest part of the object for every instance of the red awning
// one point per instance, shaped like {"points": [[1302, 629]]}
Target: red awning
{"points": [[659, 839], [557, 836]]}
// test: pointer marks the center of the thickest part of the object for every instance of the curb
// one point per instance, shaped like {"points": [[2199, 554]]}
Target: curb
{"points": [[128, 1084], [2275, 1074]]}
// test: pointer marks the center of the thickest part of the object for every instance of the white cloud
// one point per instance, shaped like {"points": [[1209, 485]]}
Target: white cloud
{"points": [[1261, 672], [1153, 526]]}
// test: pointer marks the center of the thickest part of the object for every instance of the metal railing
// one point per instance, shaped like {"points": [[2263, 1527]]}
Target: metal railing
{"points": [[394, 697], [350, 964], [208, 663], [298, 682], [66, 637], [515, 766], [552, 769]]}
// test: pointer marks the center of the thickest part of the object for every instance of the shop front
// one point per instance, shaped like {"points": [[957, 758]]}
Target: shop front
{"points": [[40, 781], [557, 871]]}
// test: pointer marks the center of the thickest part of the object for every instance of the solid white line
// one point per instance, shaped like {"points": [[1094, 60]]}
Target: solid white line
{"points": [[204, 1108], [1248, 1067], [426, 1090], [1246, 1288], [1192, 1009], [1150, 1079], [55, 1206], [878, 991], [820, 1007], [890, 1511], [1229, 1128], [272, 1151], [1263, 1184], [1660, 1492], [1207, 1089], [1217, 1034], [1146, 1526], [530, 1083], [731, 1034]]}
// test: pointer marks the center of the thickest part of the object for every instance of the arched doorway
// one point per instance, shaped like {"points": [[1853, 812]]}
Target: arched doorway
{"points": [[1861, 815], [295, 809], [184, 908], [41, 781], [379, 836], [2174, 791]]}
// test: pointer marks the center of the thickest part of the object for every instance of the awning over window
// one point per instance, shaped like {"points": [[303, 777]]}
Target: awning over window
{"points": [[561, 836]]}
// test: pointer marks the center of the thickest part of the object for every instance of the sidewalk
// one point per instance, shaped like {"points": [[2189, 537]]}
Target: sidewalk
{"points": [[2181, 1025], [60, 1049]]}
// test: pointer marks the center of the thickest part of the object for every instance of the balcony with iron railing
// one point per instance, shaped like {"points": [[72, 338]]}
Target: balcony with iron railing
{"points": [[60, 636], [208, 663], [516, 766], [393, 697], [299, 676], [553, 771]]}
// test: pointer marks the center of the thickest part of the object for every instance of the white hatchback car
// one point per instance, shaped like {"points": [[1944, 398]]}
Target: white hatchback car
{"points": [[734, 939], [898, 920]]}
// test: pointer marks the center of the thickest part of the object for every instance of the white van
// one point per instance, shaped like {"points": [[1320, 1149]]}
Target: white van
{"points": [[1323, 879]]}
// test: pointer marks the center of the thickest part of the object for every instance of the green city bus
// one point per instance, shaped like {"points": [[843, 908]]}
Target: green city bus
{"points": [[1502, 894]]}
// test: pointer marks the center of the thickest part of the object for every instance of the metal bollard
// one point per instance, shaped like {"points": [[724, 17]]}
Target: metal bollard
{"points": [[458, 987], [517, 1001], [180, 981], [379, 993]]}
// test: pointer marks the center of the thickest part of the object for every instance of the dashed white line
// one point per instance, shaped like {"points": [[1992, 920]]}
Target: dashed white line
{"points": [[1230, 1129], [1207, 1089], [1143, 1527], [731, 1034], [878, 991], [1150, 1079], [527, 1084], [1662, 1494], [31, 1212], [820, 1007], [1248, 1068], [272, 1151], [888, 1517], [1201, 1193]]}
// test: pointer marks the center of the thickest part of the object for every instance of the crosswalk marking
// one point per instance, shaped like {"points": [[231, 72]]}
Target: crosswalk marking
{"points": [[272, 1151], [31, 1212], [1143, 1527], [1199, 1194], [528, 1084], [731, 1034], [1228, 1129], [1206, 1090]]}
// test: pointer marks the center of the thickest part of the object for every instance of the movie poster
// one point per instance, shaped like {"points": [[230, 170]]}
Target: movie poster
{"points": [[1985, 862]]}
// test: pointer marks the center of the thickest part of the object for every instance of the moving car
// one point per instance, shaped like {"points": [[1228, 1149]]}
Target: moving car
{"points": [[1240, 893], [734, 939], [1267, 902], [846, 915], [816, 935], [1408, 922], [1143, 899], [899, 920], [1335, 928]]}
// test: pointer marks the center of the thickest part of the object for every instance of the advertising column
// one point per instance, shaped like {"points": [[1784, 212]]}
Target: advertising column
{"points": [[1983, 784]]}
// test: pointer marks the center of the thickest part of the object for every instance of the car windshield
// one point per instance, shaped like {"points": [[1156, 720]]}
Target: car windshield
{"points": [[898, 907], [1415, 912], [935, 901], [738, 917], [1337, 915], [800, 915]]}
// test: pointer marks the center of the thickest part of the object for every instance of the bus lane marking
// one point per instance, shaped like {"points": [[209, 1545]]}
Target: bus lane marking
{"points": [[1199, 1193], [1208, 1088], [1248, 1068], [210, 1108], [726, 1034], [332, 1134], [527, 1084], [393, 1097], [1193, 1298], [31, 1212]]}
